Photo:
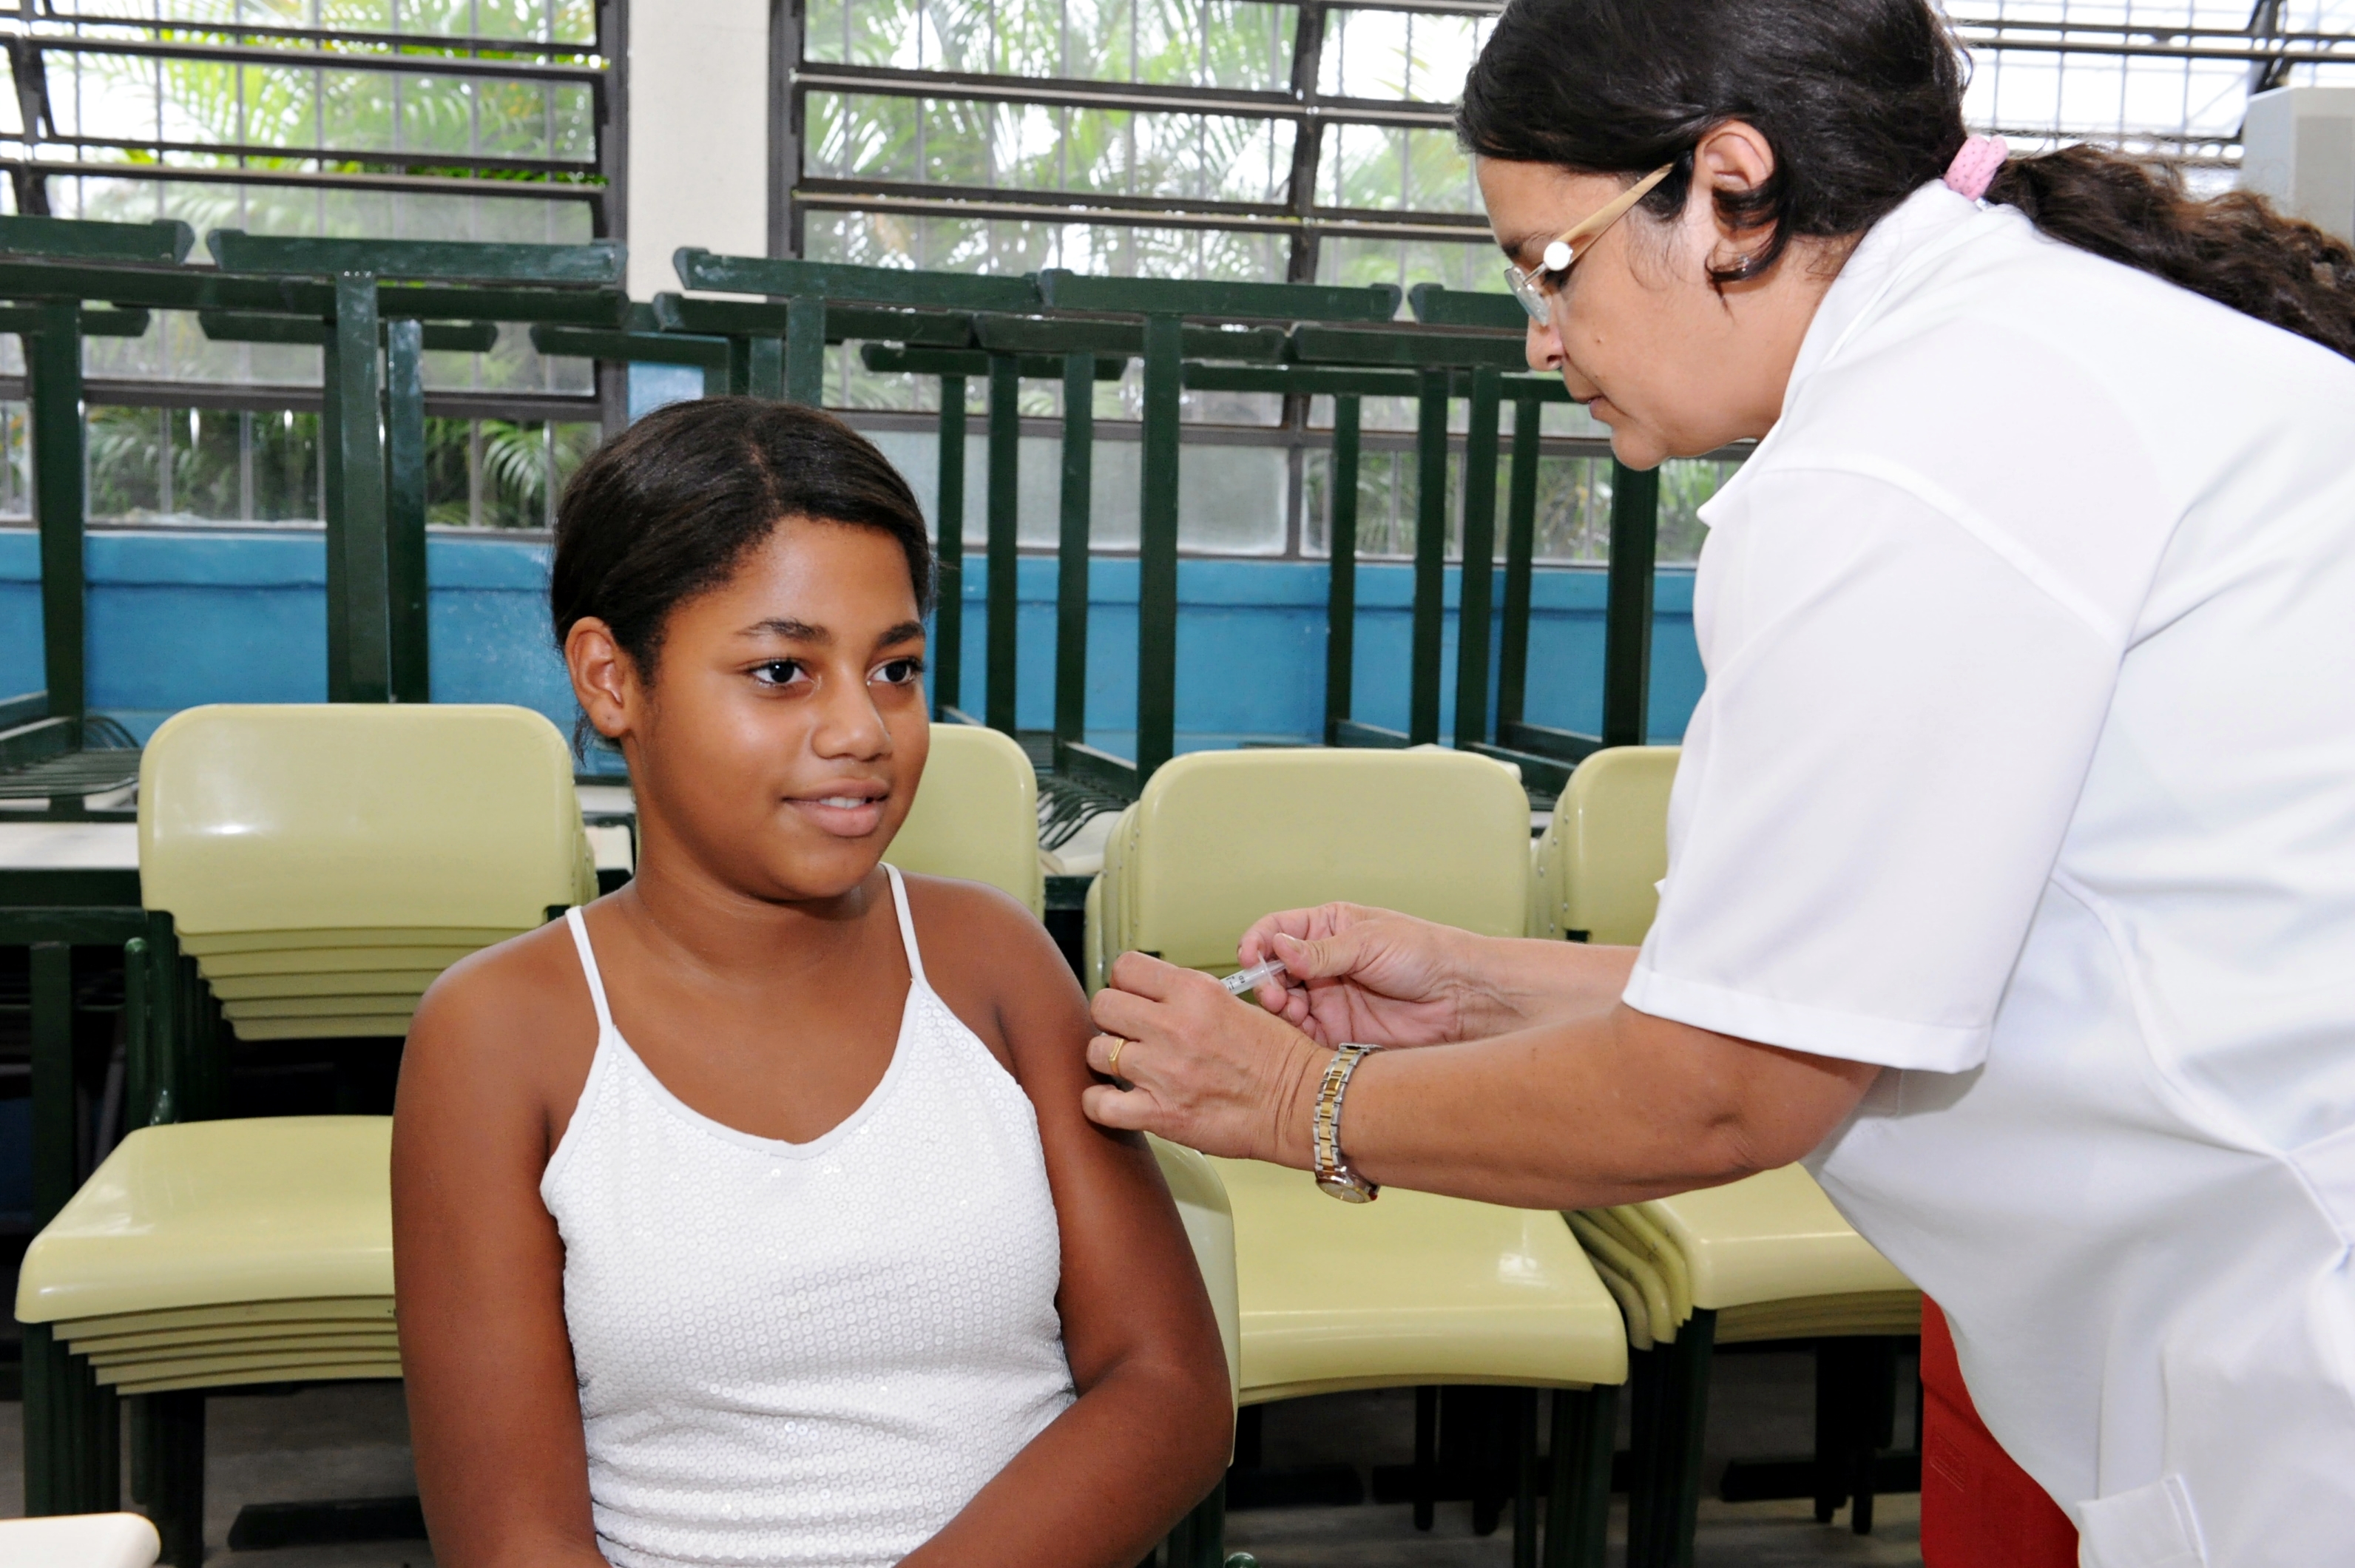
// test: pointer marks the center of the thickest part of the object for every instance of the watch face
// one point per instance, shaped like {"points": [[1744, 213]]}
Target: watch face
{"points": [[1346, 1191]]}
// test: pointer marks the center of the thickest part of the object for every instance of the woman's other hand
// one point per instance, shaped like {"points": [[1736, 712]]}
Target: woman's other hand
{"points": [[1200, 1069], [1369, 977]]}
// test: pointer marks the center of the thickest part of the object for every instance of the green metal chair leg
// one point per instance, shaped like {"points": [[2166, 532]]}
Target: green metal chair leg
{"points": [[1525, 1478], [1199, 1540], [1647, 1374], [175, 1424], [72, 1443], [1578, 1500], [1670, 1453]]}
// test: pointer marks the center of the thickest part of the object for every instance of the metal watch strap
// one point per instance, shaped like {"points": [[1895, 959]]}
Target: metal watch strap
{"points": [[1333, 1173]]}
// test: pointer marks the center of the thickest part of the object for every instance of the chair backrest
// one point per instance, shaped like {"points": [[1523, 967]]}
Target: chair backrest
{"points": [[322, 815], [1210, 1220], [1598, 866], [1220, 838], [975, 816]]}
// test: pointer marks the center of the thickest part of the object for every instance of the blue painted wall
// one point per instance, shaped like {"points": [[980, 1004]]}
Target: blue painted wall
{"points": [[178, 618]]}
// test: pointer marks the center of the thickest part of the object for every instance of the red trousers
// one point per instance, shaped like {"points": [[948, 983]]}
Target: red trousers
{"points": [[1978, 1509]]}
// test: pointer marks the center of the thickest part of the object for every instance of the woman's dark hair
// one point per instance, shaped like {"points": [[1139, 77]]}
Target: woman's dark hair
{"points": [[667, 509], [1862, 102]]}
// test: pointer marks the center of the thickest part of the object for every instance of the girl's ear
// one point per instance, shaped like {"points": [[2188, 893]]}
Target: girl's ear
{"points": [[604, 677]]}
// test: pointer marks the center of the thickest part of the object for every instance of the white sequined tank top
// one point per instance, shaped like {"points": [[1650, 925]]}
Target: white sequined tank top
{"points": [[806, 1353]]}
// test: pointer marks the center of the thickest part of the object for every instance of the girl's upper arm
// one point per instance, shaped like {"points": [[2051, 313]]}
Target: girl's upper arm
{"points": [[495, 1417], [1130, 1286]]}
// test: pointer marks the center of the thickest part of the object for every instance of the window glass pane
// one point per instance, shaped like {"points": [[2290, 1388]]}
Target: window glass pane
{"points": [[1015, 247], [1389, 168], [961, 143], [1231, 498], [1399, 54]]}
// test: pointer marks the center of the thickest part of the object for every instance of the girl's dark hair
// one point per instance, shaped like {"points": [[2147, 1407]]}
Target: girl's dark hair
{"points": [[1862, 102], [666, 509]]}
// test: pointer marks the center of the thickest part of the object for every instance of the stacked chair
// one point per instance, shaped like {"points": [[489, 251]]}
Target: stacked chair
{"points": [[329, 848], [1767, 1258], [1413, 1290], [267, 833], [210, 1254], [977, 815]]}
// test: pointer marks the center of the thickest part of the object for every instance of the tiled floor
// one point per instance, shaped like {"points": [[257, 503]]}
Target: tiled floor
{"points": [[351, 1440]]}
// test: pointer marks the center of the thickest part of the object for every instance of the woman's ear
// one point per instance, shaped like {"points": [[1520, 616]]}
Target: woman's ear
{"points": [[604, 677], [1733, 159]]}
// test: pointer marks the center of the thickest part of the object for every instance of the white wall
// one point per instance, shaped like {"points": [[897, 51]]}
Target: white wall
{"points": [[2298, 147], [699, 134]]}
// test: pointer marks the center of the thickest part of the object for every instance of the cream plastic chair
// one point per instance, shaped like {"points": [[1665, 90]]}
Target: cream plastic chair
{"points": [[323, 862], [1414, 1290], [204, 1255], [79, 1541], [1219, 838], [1597, 867], [1765, 1258], [230, 1249], [976, 816]]}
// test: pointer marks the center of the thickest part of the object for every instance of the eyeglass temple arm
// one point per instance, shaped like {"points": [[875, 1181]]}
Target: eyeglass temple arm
{"points": [[1604, 217]]}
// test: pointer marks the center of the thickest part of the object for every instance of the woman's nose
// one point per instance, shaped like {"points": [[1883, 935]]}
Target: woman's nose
{"points": [[1543, 346]]}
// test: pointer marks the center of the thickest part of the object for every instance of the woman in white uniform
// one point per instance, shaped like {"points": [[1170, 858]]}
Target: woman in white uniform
{"points": [[2012, 852]]}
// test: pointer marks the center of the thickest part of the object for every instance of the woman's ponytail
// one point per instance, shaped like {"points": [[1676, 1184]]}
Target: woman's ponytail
{"points": [[2233, 248], [1862, 102]]}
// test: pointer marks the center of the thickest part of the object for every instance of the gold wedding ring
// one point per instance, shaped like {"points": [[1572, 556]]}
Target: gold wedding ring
{"points": [[1111, 1064]]}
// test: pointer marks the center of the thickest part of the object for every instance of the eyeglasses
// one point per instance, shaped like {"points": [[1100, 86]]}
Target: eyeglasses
{"points": [[1533, 290]]}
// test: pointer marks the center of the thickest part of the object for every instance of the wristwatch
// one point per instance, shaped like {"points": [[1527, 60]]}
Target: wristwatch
{"points": [[1333, 1172]]}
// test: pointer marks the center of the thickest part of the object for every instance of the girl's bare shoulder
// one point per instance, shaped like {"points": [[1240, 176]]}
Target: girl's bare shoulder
{"points": [[989, 958], [512, 1023]]}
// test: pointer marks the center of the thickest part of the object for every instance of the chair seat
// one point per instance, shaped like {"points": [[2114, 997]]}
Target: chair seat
{"points": [[258, 1367], [233, 1316], [1411, 1289], [1866, 1312], [375, 1370], [346, 1026], [1770, 1237], [333, 960], [467, 937], [283, 987], [251, 1350], [386, 1004], [216, 1213], [80, 1541]]}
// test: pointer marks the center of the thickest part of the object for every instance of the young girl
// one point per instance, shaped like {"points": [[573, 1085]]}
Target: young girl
{"points": [[749, 1216]]}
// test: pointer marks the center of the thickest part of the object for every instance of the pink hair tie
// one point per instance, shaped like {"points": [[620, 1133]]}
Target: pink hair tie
{"points": [[1974, 168]]}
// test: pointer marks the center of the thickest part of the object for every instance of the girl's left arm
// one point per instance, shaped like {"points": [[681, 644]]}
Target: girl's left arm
{"points": [[1151, 1431]]}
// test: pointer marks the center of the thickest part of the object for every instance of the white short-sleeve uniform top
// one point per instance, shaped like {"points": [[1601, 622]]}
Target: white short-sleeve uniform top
{"points": [[2027, 768]]}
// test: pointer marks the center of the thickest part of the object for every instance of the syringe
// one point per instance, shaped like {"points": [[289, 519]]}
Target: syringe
{"points": [[1242, 982]]}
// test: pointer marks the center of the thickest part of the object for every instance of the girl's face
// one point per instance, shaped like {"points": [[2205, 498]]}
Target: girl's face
{"points": [[786, 729]]}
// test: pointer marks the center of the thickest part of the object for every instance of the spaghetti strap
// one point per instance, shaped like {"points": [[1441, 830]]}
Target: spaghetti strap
{"points": [[907, 926], [588, 966]]}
